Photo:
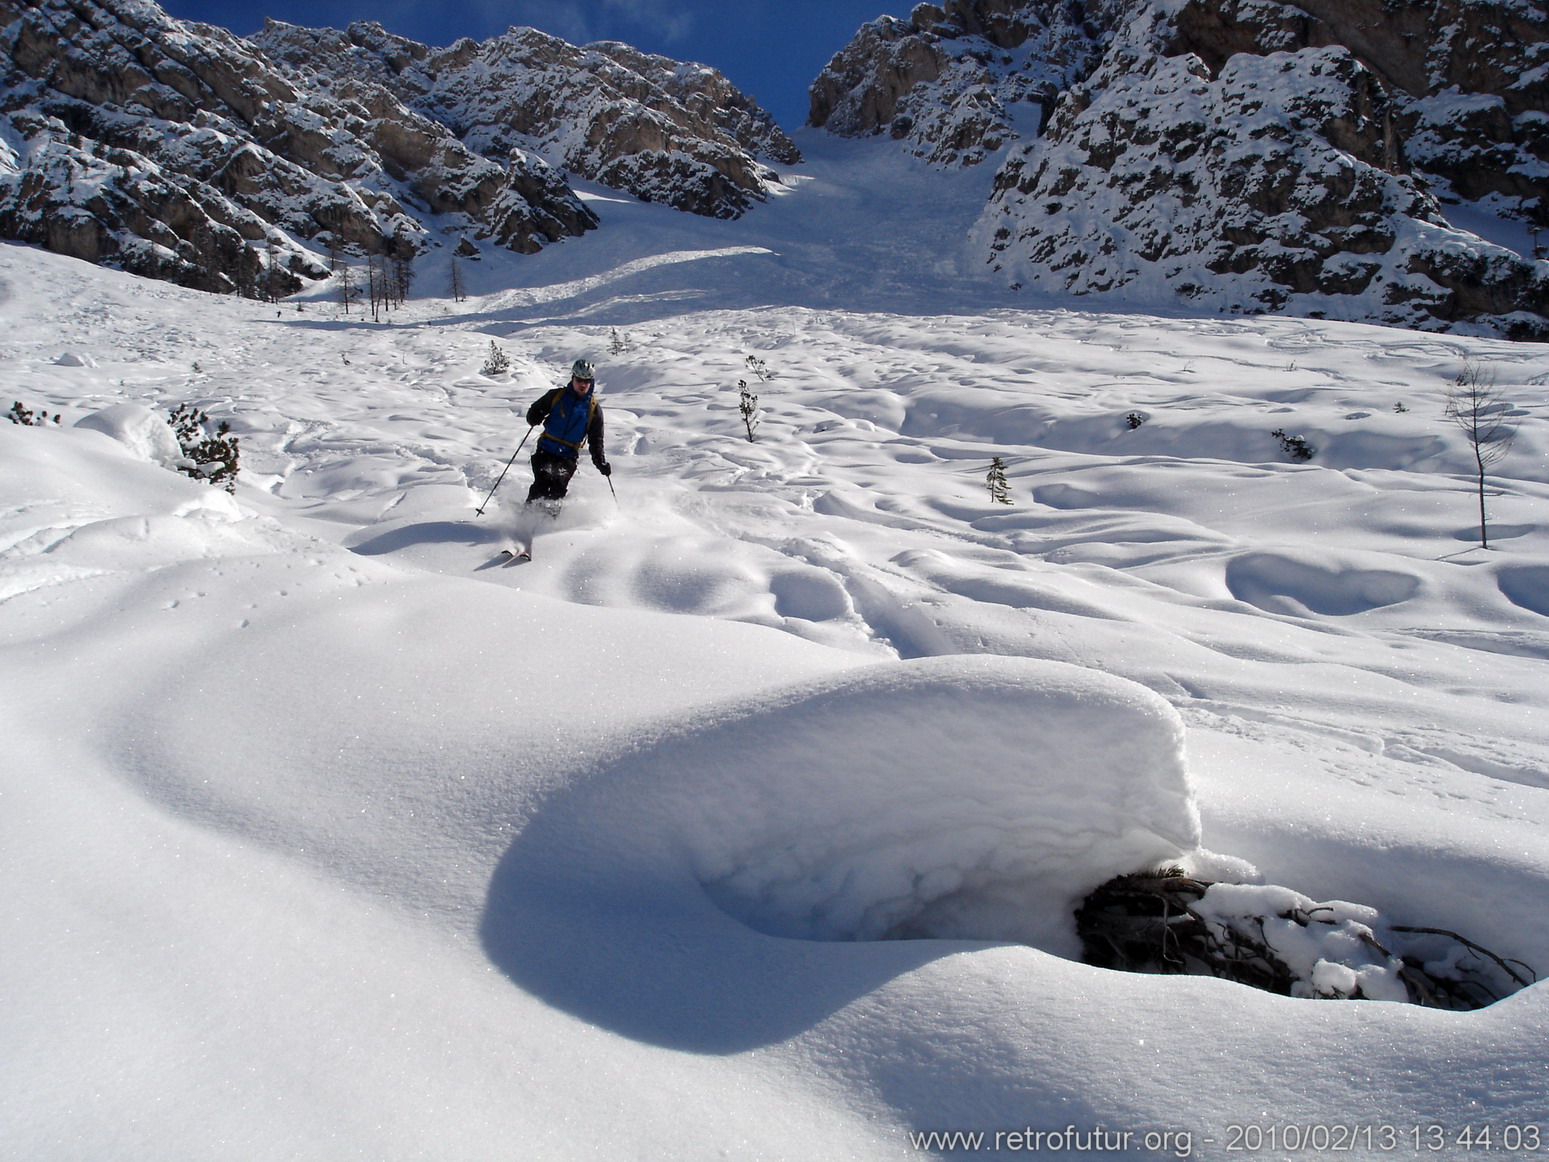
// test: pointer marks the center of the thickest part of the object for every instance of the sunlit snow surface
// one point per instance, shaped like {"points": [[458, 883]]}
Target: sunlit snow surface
{"points": [[328, 835]]}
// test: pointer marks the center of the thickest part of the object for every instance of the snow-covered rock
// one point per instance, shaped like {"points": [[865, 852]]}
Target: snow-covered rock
{"points": [[665, 131], [179, 151], [1272, 185], [955, 82]]}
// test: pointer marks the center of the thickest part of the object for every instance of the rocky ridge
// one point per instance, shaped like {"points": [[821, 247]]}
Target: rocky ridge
{"points": [[679, 134], [178, 151], [1244, 155]]}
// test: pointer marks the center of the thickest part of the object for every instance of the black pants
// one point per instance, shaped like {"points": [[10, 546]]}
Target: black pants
{"points": [[550, 476]]}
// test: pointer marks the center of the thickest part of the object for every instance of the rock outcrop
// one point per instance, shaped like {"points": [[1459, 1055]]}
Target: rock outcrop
{"points": [[679, 134], [1245, 155], [956, 82]]}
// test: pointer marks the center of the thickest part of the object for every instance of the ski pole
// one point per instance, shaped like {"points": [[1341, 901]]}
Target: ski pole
{"points": [[609, 479], [480, 510]]}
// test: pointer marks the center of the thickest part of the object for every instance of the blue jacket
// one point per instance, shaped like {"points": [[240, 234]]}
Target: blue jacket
{"points": [[569, 421]]}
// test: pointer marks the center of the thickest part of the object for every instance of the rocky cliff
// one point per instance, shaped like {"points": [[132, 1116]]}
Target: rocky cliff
{"points": [[178, 151], [665, 131], [1244, 155], [957, 82]]}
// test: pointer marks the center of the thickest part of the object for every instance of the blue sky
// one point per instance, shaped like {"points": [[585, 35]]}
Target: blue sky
{"points": [[769, 48]]}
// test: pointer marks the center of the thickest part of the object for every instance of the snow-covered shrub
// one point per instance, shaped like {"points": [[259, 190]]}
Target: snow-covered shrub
{"points": [[759, 368], [1134, 420], [26, 416], [1281, 941], [1295, 447], [210, 456]]}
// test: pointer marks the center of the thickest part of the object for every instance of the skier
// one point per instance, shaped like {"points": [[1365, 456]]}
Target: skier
{"points": [[570, 418]]}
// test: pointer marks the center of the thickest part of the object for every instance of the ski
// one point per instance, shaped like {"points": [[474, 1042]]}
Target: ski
{"points": [[514, 553]]}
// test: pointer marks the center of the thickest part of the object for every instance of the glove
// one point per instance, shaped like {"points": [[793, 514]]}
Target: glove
{"points": [[604, 467]]}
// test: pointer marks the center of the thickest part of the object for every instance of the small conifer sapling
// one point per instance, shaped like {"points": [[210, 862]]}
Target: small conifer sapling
{"points": [[497, 362], [747, 404], [1296, 447], [995, 481]]}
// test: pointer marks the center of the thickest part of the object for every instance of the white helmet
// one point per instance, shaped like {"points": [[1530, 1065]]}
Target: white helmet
{"points": [[583, 369]]}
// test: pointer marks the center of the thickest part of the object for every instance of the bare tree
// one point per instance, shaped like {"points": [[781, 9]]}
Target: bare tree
{"points": [[348, 284], [376, 285], [403, 277], [1480, 410]]}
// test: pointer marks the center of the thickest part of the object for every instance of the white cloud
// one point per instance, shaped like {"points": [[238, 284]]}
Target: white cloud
{"points": [[672, 22], [580, 21]]}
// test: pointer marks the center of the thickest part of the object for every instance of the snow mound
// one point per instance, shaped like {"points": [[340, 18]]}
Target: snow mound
{"points": [[962, 798], [144, 433], [1526, 586]]}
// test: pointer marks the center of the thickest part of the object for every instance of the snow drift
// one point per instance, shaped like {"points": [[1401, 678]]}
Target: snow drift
{"points": [[973, 798]]}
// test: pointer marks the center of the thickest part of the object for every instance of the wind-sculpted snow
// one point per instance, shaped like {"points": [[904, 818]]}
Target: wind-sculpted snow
{"points": [[969, 798], [328, 832], [1335, 585]]}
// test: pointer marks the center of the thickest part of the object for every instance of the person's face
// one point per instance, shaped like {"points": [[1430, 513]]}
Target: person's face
{"points": [[580, 386]]}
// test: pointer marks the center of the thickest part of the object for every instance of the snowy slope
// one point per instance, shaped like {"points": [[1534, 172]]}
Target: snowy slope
{"points": [[330, 836]]}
